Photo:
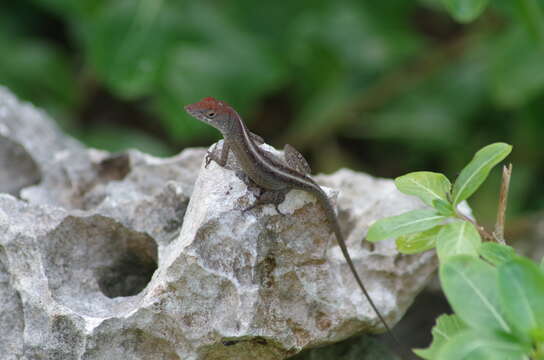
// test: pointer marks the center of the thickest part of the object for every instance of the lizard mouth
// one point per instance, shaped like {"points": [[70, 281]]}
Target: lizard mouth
{"points": [[196, 114]]}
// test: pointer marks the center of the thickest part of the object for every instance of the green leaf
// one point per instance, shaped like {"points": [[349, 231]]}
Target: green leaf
{"points": [[531, 13], [465, 10], [426, 185], [23, 71], [117, 138], [243, 73], [475, 173], [443, 207], [457, 238], [411, 118], [127, 44], [521, 289], [471, 287], [416, 243], [323, 62], [516, 80], [496, 254], [404, 224], [72, 10], [481, 345], [447, 326]]}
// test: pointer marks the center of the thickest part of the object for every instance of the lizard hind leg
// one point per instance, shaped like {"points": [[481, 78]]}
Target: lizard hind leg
{"points": [[274, 197], [295, 160]]}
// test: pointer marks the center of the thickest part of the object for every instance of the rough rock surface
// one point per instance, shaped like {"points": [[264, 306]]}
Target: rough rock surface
{"points": [[127, 256]]}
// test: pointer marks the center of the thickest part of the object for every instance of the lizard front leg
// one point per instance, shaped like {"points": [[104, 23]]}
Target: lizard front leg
{"points": [[221, 160]]}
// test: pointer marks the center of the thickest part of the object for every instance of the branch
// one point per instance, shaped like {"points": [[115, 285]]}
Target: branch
{"points": [[503, 200], [483, 232]]}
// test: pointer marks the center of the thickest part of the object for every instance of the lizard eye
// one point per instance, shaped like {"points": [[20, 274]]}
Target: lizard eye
{"points": [[210, 114]]}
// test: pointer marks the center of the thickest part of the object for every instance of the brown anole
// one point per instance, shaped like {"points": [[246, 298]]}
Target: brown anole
{"points": [[275, 176]]}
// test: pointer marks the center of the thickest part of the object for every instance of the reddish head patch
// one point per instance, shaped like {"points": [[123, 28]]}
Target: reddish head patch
{"points": [[210, 104]]}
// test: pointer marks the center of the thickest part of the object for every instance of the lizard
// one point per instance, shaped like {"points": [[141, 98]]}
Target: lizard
{"points": [[269, 172]]}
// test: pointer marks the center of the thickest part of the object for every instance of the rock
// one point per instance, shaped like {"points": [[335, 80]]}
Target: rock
{"points": [[127, 256]]}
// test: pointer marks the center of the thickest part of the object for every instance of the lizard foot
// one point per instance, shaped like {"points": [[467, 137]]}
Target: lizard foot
{"points": [[269, 197], [210, 155]]}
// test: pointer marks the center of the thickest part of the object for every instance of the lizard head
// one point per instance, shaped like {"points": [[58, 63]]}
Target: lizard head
{"points": [[214, 112]]}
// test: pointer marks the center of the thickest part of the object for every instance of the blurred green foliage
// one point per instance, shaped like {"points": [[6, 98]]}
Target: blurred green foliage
{"points": [[381, 86]]}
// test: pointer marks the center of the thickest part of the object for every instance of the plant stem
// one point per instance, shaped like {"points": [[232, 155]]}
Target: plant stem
{"points": [[483, 232], [498, 234], [503, 200]]}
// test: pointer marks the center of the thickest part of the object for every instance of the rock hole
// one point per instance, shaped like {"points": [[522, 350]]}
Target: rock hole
{"points": [[260, 340], [115, 167], [230, 342], [126, 276], [19, 170], [91, 260], [369, 246], [91, 194]]}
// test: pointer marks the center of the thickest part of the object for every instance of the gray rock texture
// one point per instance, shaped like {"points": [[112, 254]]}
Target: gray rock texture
{"points": [[127, 256]]}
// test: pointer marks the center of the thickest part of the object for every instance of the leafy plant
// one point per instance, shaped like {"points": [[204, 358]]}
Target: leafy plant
{"points": [[498, 309], [465, 10], [442, 225], [497, 296]]}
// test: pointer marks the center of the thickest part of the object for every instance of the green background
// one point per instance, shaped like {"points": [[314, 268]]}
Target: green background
{"points": [[385, 87]]}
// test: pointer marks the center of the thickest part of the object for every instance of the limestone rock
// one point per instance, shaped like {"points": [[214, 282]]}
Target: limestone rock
{"points": [[127, 256]]}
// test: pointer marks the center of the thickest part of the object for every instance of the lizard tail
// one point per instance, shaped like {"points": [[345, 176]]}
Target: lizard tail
{"points": [[331, 215]]}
